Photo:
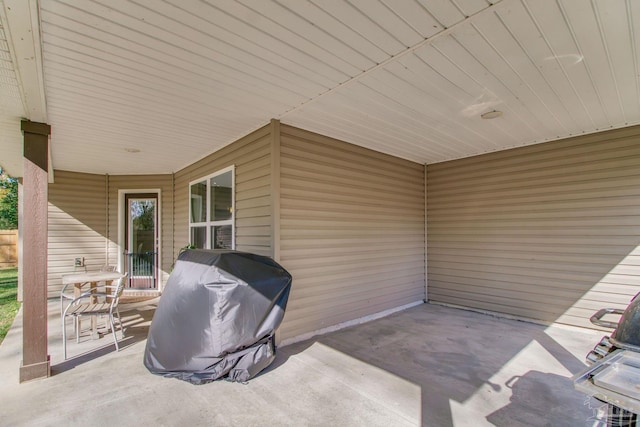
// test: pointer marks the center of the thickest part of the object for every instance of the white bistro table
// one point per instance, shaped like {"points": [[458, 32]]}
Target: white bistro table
{"points": [[79, 280]]}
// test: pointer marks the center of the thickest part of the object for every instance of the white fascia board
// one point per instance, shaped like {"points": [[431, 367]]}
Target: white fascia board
{"points": [[25, 43]]}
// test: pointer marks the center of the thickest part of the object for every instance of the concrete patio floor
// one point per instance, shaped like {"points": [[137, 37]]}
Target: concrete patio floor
{"points": [[428, 365]]}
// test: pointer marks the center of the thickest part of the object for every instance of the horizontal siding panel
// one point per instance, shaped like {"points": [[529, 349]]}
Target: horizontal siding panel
{"points": [[325, 251], [536, 210], [342, 208], [242, 148], [620, 143], [620, 241], [366, 267], [353, 244], [260, 182], [352, 207], [350, 214], [550, 232], [523, 265], [262, 241], [77, 225], [244, 230], [355, 173], [253, 221], [540, 295], [319, 303], [338, 176], [252, 174], [537, 255], [329, 256], [297, 134], [252, 193], [616, 176], [362, 284], [365, 197], [257, 212], [253, 202], [320, 172]]}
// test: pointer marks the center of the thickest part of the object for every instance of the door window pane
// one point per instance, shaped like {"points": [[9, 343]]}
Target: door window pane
{"points": [[143, 222], [222, 237], [198, 202], [221, 196], [141, 234], [199, 237]]}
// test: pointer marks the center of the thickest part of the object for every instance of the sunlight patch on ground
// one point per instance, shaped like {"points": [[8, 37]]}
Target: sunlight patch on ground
{"points": [[384, 388]]}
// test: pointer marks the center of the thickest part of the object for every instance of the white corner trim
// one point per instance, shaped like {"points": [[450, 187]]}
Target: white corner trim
{"points": [[347, 324]]}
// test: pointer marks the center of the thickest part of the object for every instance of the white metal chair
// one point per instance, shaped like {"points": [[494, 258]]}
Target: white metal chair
{"points": [[95, 304], [68, 296]]}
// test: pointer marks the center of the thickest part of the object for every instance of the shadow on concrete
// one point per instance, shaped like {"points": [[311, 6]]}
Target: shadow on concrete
{"points": [[537, 393], [136, 319], [460, 359]]}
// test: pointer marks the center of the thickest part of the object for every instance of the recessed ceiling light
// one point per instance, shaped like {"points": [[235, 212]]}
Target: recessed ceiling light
{"points": [[132, 150], [491, 114]]}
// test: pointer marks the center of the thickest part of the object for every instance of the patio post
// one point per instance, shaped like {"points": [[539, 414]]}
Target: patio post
{"points": [[35, 360]]}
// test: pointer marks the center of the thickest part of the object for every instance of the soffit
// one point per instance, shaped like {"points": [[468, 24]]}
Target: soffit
{"points": [[149, 87], [11, 107]]}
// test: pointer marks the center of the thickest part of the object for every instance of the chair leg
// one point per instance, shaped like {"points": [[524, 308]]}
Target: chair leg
{"points": [[120, 321], [76, 328], [113, 330], [64, 338]]}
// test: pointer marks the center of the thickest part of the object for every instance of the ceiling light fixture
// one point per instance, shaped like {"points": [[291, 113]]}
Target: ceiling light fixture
{"points": [[491, 114]]}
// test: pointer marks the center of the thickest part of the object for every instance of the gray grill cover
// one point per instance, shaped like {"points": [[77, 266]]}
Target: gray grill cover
{"points": [[217, 317]]}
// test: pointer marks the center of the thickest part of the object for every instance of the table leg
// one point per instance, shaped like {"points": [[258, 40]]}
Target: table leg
{"points": [[94, 319]]}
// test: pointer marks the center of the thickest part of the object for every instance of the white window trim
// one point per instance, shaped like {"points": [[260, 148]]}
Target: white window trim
{"points": [[208, 223]]}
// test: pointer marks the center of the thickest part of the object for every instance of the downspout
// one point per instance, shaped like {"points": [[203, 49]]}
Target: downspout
{"points": [[275, 190], [106, 202], [173, 230], [426, 270], [173, 215]]}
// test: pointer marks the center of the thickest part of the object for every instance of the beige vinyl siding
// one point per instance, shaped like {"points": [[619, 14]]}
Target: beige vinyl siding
{"points": [[251, 156], [351, 231], [164, 183], [76, 224], [549, 232]]}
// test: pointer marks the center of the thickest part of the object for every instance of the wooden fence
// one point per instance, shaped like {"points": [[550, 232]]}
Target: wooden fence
{"points": [[8, 248]]}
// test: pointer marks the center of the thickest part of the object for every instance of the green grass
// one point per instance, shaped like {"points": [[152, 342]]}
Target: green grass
{"points": [[8, 304]]}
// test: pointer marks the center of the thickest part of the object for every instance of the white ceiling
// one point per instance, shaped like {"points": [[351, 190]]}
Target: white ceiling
{"points": [[180, 79]]}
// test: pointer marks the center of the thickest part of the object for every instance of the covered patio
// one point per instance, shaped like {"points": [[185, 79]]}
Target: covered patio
{"points": [[428, 365], [398, 158]]}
